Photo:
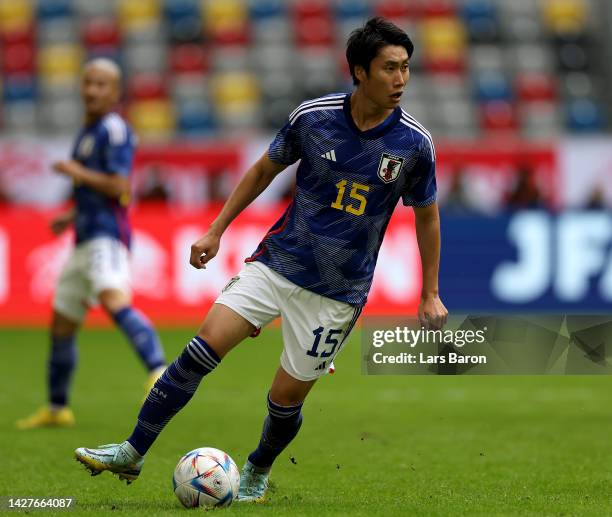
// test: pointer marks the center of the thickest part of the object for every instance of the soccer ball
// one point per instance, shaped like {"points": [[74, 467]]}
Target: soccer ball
{"points": [[206, 477]]}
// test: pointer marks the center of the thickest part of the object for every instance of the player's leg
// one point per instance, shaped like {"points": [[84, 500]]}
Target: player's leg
{"points": [[69, 308], [108, 272], [280, 427], [240, 309], [138, 330], [170, 393], [314, 330]]}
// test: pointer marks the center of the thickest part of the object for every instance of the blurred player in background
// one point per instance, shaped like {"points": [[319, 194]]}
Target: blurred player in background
{"points": [[98, 269], [360, 154]]}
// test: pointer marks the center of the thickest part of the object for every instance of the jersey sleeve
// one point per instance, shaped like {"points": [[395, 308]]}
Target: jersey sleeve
{"points": [[421, 190], [119, 152], [286, 148]]}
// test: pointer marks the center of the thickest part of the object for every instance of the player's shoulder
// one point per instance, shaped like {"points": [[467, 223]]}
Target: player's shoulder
{"points": [[117, 129], [412, 125], [328, 104], [418, 130]]}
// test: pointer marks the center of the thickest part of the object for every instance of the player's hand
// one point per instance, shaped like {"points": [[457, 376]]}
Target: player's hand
{"points": [[204, 249], [60, 223], [432, 313], [70, 168]]}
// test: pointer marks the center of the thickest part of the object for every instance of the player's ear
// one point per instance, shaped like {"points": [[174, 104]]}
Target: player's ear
{"points": [[360, 73]]}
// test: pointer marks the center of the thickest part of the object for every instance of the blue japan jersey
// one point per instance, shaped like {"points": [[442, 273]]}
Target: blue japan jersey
{"points": [[106, 146], [348, 184]]}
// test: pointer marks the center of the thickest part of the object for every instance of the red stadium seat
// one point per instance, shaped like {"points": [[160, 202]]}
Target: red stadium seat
{"points": [[498, 116], [439, 8], [188, 58], [314, 31], [536, 86], [19, 35], [147, 87], [393, 9], [18, 59], [312, 9], [101, 32]]}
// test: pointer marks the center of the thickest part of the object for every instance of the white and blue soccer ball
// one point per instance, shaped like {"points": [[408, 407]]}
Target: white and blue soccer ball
{"points": [[206, 477]]}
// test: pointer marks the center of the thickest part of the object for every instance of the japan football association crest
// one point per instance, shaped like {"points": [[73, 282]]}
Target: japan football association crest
{"points": [[86, 146], [389, 167]]}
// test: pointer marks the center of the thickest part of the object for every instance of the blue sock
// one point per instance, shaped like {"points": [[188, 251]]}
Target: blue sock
{"points": [[172, 391], [280, 427], [141, 335], [62, 363]]}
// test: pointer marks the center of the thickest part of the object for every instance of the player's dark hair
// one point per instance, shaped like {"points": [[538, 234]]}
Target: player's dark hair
{"points": [[364, 43]]}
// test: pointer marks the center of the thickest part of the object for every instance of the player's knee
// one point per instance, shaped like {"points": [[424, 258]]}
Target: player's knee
{"points": [[113, 300], [62, 327]]}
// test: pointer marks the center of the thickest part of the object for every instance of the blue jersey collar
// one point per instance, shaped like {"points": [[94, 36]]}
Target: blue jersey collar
{"points": [[383, 128]]}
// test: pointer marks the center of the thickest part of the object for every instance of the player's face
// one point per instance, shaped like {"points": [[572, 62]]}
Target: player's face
{"points": [[99, 91], [387, 78]]}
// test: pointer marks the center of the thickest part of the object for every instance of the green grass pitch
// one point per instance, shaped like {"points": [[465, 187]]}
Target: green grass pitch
{"points": [[369, 445]]}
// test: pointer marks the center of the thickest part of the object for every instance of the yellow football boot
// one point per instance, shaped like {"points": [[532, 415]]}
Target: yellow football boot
{"points": [[47, 417]]}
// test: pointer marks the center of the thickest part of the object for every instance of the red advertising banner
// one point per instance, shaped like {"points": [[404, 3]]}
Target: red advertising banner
{"points": [[165, 286]]}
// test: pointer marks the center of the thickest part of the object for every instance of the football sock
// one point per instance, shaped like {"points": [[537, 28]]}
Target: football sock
{"points": [[62, 363], [141, 335], [280, 427], [172, 391]]}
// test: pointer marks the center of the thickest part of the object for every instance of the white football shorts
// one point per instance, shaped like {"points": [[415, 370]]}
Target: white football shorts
{"points": [[95, 265], [314, 327]]}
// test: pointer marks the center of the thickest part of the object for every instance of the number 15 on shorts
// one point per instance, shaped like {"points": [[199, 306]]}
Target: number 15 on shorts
{"points": [[329, 340]]}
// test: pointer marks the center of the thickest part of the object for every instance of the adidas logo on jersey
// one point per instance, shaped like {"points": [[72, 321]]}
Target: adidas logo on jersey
{"points": [[330, 155]]}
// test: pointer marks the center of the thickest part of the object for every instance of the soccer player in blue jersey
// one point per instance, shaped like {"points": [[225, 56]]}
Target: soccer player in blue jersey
{"points": [[359, 153], [98, 269]]}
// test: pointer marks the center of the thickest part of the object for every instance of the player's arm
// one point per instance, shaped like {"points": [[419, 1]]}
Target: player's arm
{"points": [[253, 183], [62, 221], [432, 312], [111, 185]]}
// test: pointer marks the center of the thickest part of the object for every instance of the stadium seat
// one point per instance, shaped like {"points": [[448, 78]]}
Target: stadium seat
{"points": [[498, 116], [447, 8], [15, 15], [188, 59], [185, 31], [186, 88], [565, 16], [584, 115], [57, 31], [236, 98], [260, 10], [535, 86], [138, 14], [53, 9], [145, 57], [153, 119], [540, 120], [60, 63], [395, 9], [480, 18], [492, 86], [311, 9], [353, 11], [444, 41], [147, 86], [101, 32], [19, 88], [17, 59], [226, 22], [20, 117], [175, 10], [314, 31], [195, 119]]}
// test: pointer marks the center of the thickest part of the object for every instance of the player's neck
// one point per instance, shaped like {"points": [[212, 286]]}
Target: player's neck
{"points": [[366, 114], [92, 118]]}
